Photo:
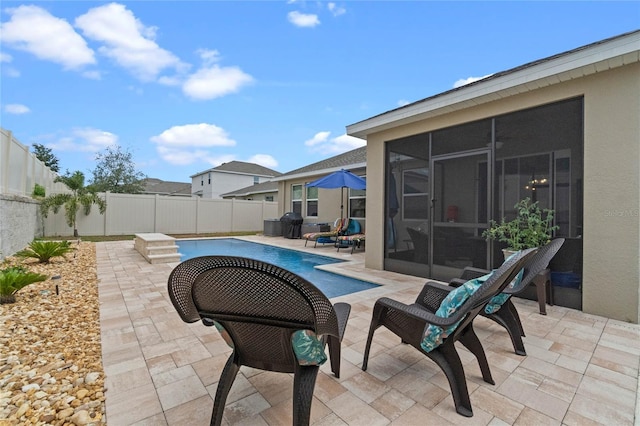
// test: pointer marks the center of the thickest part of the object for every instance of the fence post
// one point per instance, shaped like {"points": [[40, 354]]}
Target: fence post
{"points": [[107, 200], [4, 161], [197, 215], [155, 213]]}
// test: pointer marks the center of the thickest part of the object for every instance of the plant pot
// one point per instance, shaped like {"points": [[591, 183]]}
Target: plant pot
{"points": [[508, 252]]}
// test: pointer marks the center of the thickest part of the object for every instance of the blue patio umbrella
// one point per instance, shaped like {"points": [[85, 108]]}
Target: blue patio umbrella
{"points": [[340, 179]]}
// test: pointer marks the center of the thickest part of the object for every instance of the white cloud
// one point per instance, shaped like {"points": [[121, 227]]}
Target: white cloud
{"points": [[335, 9], [303, 19], [5, 57], [318, 138], [214, 82], [264, 160], [16, 109], [403, 102], [183, 145], [127, 41], [323, 144], [34, 30], [465, 81], [85, 139]]}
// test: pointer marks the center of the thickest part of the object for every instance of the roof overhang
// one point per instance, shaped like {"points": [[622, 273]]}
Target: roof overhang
{"points": [[314, 173], [578, 63]]}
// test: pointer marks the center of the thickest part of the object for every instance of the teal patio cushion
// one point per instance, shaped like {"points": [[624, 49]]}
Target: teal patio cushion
{"points": [[434, 334], [308, 348]]}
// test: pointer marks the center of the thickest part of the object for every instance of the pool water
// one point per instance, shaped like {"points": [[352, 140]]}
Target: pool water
{"points": [[301, 263]]}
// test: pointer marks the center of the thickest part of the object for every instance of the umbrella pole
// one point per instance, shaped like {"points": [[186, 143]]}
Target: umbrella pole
{"points": [[341, 202]]}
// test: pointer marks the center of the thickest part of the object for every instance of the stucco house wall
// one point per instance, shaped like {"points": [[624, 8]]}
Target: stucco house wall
{"points": [[611, 281]]}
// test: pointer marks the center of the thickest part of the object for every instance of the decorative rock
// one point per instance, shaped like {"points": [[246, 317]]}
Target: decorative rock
{"points": [[91, 378], [67, 412], [51, 348], [82, 417], [30, 386]]}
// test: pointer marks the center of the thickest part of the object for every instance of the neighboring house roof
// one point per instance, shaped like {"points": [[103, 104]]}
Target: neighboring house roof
{"points": [[240, 167], [157, 186], [354, 159], [592, 58], [259, 188]]}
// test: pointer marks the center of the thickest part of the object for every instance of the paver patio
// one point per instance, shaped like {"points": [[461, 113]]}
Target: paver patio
{"points": [[580, 369]]}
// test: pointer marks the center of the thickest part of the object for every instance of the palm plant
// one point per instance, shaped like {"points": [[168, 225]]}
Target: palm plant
{"points": [[13, 279], [45, 250], [79, 196]]}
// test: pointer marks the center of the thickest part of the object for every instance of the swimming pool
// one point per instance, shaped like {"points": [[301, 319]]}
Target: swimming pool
{"points": [[301, 263]]}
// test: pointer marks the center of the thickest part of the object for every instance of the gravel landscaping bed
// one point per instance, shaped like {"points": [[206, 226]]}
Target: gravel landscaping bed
{"points": [[50, 353]]}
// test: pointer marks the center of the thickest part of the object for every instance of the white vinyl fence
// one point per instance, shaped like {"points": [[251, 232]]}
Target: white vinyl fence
{"points": [[20, 170], [129, 214]]}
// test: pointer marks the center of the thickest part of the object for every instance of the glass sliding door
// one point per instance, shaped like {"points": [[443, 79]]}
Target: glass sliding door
{"points": [[459, 213]]}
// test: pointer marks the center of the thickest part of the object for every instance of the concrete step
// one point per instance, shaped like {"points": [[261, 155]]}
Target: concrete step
{"points": [[163, 258], [172, 249], [157, 248]]}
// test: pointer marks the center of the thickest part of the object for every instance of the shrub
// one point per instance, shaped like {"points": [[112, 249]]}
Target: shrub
{"points": [[13, 279], [38, 191], [45, 250]]}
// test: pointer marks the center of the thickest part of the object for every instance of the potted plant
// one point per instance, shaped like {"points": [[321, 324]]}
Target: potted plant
{"points": [[532, 227]]}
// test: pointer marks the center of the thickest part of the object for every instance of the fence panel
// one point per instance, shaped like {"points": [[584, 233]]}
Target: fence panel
{"points": [[215, 215], [20, 170], [129, 213], [176, 215]]}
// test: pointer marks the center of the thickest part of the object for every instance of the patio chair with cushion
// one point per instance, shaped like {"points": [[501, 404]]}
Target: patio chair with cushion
{"points": [[328, 236], [501, 309], [442, 315], [272, 319]]}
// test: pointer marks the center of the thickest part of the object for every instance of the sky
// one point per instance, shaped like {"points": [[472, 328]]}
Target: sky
{"points": [[185, 86]]}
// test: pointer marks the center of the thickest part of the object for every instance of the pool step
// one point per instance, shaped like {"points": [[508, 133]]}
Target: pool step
{"points": [[157, 248]]}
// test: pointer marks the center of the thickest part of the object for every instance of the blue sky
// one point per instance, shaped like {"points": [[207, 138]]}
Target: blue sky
{"points": [[188, 85]]}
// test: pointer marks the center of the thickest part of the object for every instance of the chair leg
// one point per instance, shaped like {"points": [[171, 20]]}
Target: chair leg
{"points": [[334, 355], [304, 380], [448, 360], [507, 316], [375, 323], [229, 373], [470, 340], [540, 282]]}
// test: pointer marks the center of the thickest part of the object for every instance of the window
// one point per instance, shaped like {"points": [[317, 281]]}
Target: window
{"points": [[209, 178], [312, 201], [268, 198], [202, 180], [415, 193], [256, 180], [357, 203], [296, 199]]}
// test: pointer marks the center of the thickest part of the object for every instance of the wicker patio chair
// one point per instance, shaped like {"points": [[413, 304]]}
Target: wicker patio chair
{"points": [[272, 318], [504, 311], [416, 324]]}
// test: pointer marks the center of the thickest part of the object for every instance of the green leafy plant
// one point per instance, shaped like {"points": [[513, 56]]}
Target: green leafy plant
{"points": [[532, 227], [38, 191], [45, 250], [15, 278], [80, 196]]}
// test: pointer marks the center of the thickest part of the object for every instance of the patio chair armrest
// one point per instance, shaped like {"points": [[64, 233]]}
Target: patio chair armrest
{"points": [[414, 311]]}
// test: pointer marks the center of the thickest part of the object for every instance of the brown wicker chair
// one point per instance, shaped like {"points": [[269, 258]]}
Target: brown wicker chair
{"points": [[410, 322], [259, 307], [507, 316]]}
